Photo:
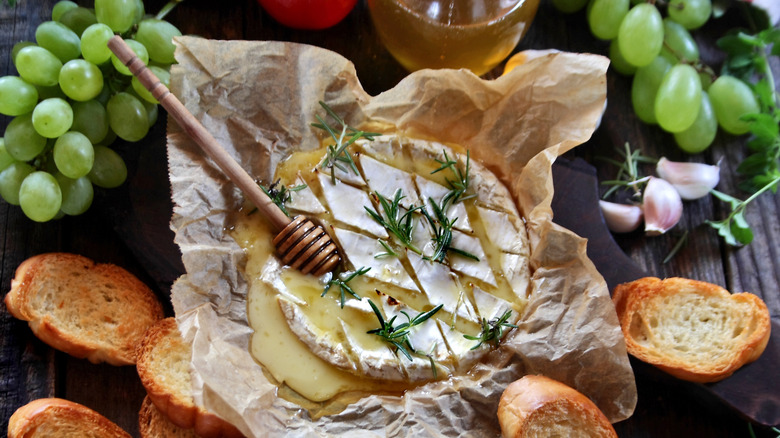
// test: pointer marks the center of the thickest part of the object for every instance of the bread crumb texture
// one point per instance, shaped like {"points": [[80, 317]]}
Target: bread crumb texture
{"points": [[694, 330], [89, 310]]}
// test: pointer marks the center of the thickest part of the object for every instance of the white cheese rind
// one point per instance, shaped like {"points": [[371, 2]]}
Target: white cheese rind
{"points": [[361, 250], [441, 287], [304, 200], [431, 190], [347, 205], [386, 180]]}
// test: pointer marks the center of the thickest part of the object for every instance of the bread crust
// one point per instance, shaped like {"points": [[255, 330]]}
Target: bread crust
{"points": [[535, 401], [109, 331], [639, 301], [153, 424], [161, 341], [63, 415]]}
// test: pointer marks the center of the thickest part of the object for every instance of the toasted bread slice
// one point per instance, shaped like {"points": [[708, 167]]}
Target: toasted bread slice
{"points": [[693, 330], [164, 368], [89, 310], [56, 417], [153, 424], [540, 407]]}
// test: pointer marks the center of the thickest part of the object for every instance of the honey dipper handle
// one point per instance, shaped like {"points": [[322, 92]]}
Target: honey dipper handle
{"points": [[198, 133]]}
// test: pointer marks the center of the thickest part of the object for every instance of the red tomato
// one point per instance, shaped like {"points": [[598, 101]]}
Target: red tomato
{"points": [[308, 14]]}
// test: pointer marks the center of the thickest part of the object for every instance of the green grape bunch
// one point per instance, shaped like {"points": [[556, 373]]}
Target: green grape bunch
{"points": [[652, 42], [72, 99]]}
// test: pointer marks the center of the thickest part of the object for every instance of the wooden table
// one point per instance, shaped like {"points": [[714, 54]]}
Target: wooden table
{"points": [[667, 408]]}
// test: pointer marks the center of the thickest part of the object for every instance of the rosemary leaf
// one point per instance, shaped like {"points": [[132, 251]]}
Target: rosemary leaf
{"points": [[280, 194], [398, 336], [398, 223], [492, 331], [343, 284]]}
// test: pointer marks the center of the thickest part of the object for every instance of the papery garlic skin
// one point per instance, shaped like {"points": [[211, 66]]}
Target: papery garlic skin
{"points": [[621, 218], [691, 180], [661, 205]]}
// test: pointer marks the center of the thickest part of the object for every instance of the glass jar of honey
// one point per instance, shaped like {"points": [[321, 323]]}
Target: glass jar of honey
{"points": [[472, 34]]}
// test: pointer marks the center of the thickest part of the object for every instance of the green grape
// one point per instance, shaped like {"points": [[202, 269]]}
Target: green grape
{"points": [[569, 6], [140, 11], [90, 118], [157, 36], [49, 92], [61, 7], [40, 196], [5, 158], [11, 180], [21, 140], [138, 49], [19, 46], [94, 42], [641, 35], [78, 19], [127, 116], [17, 97], [52, 117], [731, 98], [73, 154], [119, 15], [162, 74], [81, 80], [679, 43], [38, 66], [59, 40], [692, 14], [605, 16], [109, 139], [701, 134], [679, 98], [706, 80], [618, 62], [644, 88], [109, 170], [77, 194]]}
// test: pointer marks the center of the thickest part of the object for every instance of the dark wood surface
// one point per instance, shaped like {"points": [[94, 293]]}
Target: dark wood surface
{"points": [[128, 225]]}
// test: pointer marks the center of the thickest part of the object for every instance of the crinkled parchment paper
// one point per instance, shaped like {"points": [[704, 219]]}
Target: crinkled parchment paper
{"points": [[259, 98]]}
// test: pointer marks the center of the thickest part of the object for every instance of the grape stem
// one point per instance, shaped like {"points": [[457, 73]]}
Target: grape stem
{"points": [[167, 9]]}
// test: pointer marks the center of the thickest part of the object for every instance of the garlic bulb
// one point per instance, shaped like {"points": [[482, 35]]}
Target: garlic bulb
{"points": [[661, 205], [621, 218], [691, 180]]}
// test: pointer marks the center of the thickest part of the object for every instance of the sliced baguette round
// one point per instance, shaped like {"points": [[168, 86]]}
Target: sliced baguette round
{"points": [[540, 407], [693, 330], [164, 368], [56, 417], [89, 310], [153, 424]]}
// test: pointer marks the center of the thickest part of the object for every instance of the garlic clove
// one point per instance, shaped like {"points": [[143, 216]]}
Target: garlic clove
{"points": [[661, 205], [691, 180], [621, 218]]}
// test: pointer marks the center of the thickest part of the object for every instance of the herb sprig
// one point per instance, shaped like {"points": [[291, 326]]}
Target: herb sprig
{"points": [[343, 283], [344, 135], [628, 175], [398, 222], [280, 194], [492, 331], [398, 336], [441, 226], [459, 183]]}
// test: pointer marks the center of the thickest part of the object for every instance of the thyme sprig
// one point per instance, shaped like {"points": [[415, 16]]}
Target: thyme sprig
{"points": [[628, 175], [398, 336], [395, 220], [342, 281], [338, 156], [459, 183], [280, 194], [441, 227], [492, 331]]}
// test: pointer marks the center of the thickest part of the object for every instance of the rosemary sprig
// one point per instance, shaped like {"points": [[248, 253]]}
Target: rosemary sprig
{"points": [[399, 224], [460, 182], [441, 226], [344, 135], [628, 171], [280, 194], [492, 331], [388, 250], [398, 336], [343, 284]]}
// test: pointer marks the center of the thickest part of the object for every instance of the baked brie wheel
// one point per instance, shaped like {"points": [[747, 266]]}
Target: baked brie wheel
{"points": [[435, 259]]}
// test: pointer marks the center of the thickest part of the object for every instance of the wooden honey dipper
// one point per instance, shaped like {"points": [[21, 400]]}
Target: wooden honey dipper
{"points": [[300, 243]]}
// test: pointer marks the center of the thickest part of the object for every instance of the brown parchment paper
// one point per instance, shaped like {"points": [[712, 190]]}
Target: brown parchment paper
{"points": [[259, 98]]}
